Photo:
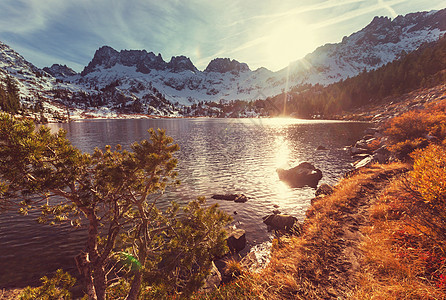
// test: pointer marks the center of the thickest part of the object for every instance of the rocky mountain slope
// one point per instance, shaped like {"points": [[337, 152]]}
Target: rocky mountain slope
{"points": [[137, 81], [380, 42]]}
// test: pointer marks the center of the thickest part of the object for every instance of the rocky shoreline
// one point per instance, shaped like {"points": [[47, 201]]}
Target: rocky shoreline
{"points": [[379, 112]]}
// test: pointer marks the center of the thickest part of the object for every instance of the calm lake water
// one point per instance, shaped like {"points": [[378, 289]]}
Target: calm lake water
{"points": [[217, 156]]}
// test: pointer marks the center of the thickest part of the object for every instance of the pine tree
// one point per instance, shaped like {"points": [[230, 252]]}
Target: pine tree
{"points": [[111, 190], [9, 95]]}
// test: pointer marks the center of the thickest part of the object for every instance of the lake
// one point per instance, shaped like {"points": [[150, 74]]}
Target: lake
{"points": [[217, 156]]}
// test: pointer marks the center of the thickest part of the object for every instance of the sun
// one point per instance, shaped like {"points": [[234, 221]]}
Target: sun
{"points": [[289, 40]]}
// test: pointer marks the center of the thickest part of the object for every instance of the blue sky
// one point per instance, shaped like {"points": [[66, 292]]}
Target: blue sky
{"points": [[260, 33]]}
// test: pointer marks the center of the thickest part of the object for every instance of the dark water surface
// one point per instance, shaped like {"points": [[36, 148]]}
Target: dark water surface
{"points": [[217, 156]]}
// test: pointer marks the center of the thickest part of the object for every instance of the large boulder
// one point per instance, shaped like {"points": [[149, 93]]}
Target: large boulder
{"points": [[301, 175], [382, 154], [236, 240], [280, 222]]}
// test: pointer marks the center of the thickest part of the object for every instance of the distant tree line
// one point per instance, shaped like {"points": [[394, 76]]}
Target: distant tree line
{"points": [[151, 102]]}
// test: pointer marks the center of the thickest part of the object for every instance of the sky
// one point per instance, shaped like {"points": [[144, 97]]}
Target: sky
{"points": [[261, 33]]}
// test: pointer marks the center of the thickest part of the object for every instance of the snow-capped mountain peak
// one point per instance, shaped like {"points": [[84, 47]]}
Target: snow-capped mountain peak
{"points": [[60, 71], [223, 65], [380, 42]]}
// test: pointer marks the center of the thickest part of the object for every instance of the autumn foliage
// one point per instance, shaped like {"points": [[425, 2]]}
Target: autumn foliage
{"points": [[405, 249], [417, 128]]}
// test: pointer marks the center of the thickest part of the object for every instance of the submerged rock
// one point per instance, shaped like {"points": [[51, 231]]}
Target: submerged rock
{"points": [[240, 198], [301, 175]]}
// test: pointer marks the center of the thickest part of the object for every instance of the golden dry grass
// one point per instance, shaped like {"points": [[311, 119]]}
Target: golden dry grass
{"points": [[394, 265], [7, 294]]}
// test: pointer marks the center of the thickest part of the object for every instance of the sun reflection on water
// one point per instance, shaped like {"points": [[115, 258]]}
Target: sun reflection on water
{"points": [[282, 152], [282, 160]]}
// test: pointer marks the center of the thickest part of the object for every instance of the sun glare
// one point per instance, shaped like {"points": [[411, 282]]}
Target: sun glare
{"points": [[289, 40], [282, 152]]}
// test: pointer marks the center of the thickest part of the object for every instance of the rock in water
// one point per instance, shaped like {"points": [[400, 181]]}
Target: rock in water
{"points": [[280, 222], [301, 175], [240, 198]]}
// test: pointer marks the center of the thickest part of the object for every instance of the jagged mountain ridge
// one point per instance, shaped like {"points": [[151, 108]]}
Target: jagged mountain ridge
{"points": [[129, 76], [144, 61], [60, 71], [380, 42], [33, 83]]}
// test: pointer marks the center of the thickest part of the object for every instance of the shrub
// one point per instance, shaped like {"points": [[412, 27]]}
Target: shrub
{"points": [[403, 149], [51, 288], [374, 145], [415, 129], [233, 268], [429, 175], [114, 194], [426, 205], [408, 126]]}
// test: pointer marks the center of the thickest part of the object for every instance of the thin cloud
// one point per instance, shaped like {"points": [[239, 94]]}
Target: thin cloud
{"points": [[298, 10], [249, 44], [355, 13], [22, 17], [388, 6]]}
